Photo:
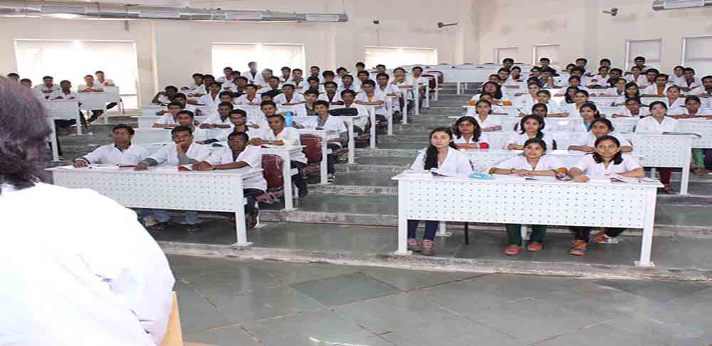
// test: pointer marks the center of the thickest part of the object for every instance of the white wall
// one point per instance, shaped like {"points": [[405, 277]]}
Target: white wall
{"points": [[582, 30]]}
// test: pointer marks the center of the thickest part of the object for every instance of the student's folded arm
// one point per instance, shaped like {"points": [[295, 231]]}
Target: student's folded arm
{"points": [[183, 159], [636, 173], [232, 165]]}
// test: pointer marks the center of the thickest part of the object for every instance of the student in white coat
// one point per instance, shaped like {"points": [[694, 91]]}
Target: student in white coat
{"points": [[531, 126], [674, 101], [169, 119], [251, 98], [96, 279], [279, 134], [182, 151], [239, 154], [468, 134], [532, 162], [599, 127], [120, 153], [524, 103], [637, 77], [187, 118], [288, 97], [589, 112], [688, 82], [331, 94], [657, 123], [440, 154], [606, 160], [659, 88], [324, 121], [254, 76], [487, 122], [574, 109], [47, 87], [211, 100]]}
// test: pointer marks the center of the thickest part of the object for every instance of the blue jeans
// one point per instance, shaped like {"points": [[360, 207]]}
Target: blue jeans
{"points": [[430, 228], [191, 217]]}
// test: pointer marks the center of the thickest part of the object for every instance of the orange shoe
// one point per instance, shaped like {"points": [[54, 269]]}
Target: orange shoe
{"points": [[578, 248], [534, 246], [512, 250]]}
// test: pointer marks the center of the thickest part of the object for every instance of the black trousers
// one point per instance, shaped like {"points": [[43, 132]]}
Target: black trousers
{"points": [[250, 195], [299, 179], [584, 233]]}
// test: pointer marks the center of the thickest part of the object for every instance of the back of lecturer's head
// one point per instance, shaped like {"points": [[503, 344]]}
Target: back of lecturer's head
{"points": [[23, 135]]}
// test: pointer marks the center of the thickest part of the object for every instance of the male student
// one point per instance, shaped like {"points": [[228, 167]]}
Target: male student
{"points": [[239, 154], [64, 92], [507, 63], [323, 121], [331, 94], [328, 76], [705, 90], [503, 75], [254, 76], [180, 97], [279, 134], [369, 97], [639, 61], [360, 66], [340, 73], [347, 98], [272, 85], [298, 79], [238, 118], [615, 73], [182, 151], [658, 88], [90, 85], [227, 77], [347, 83], [600, 81], [313, 84], [250, 98], [186, 118], [120, 153], [545, 64], [286, 75], [693, 109], [197, 88], [288, 97], [170, 119], [581, 63], [315, 72], [650, 75], [307, 108], [164, 97], [102, 80], [380, 68], [605, 62], [361, 77], [388, 89], [211, 100], [14, 76], [688, 82], [221, 120], [240, 85], [47, 87]]}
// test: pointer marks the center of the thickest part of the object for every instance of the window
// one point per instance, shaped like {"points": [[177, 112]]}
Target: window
{"points": [[398, 56], [507, 52], [697, 54], [267, 55], [550, 51], [650, 49], [72, 60]]}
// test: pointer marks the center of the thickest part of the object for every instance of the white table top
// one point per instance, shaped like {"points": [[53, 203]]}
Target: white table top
{"points": [[410, 175]]}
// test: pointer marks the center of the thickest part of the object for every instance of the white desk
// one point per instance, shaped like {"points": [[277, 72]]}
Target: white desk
{"points": [[61, 110], [484, 159], [595, 204], [664, 151], [166, 188], [701, 127]]}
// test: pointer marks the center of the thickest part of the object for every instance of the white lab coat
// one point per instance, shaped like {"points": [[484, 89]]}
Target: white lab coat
{"points": [[332, 123], [589, 139], [590, 168], [245, 100], [490, 121], [546, 163], [282, 99], [97, 279], [484, 138], [455, 163], [110, 154], [521, 138], [334, 99], [59, 94], [290, 136], [169, 155], [653, 90], [650, 125], [251, 155]]}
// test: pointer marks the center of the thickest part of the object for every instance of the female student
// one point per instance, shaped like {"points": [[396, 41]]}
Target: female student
{"points": [[607, 159], [524, 102], [530, 126], [589, 112], [496, 109], [599, 127], [617, 89], [568, 97], [469, 135], [632, 109], [494, 89], [532, 162], [487, 122], [440, 154], [636, 76], [658, 123], [632, 91], [580, 98], [673, 101], [691, 111]]}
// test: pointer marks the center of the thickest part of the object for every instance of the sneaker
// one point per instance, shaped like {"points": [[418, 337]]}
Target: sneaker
{"points": [[578, 248], [512, 250], [534, 246], [602, 238], [331, 177], [413, 245], [427, 248]]}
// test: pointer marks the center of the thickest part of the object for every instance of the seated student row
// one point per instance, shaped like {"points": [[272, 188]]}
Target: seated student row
{"points": [[185, 149], [533, 126], [606, 159]]}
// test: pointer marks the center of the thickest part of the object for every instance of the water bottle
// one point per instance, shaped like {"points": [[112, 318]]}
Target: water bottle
{"points": [[288, 118]]}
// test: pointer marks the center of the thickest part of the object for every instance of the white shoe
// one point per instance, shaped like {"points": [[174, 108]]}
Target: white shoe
{"points": [[331, 178]]}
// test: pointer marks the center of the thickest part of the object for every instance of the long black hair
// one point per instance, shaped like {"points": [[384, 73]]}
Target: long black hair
{"points": [[431, 153], [539, 134], [497, 94], [535, 140], [603, 121], [478, 130], [23, 134], [592, 106], [618, 159], [568, 98], [637, 90]]}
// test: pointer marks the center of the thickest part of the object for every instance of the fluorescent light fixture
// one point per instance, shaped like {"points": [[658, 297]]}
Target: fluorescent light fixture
{"points": [[322, 17], [63, 9], [243, 16], [158, 14], [675, 4]]}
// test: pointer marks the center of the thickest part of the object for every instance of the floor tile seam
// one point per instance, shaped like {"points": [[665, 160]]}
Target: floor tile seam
{"points": [[449, 282]]}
